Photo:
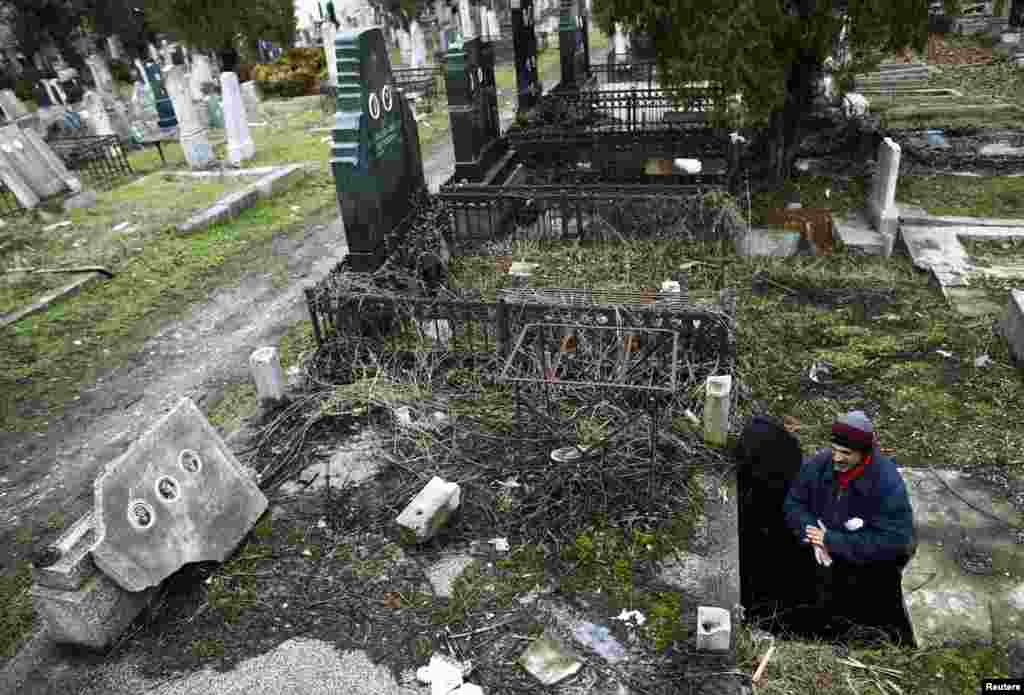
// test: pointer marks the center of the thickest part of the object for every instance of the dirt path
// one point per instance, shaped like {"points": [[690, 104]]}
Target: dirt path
{"points": [[197, 356]]}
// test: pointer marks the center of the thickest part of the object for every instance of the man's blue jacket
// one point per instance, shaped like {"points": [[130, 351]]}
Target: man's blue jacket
{"points": [[878, 497]]}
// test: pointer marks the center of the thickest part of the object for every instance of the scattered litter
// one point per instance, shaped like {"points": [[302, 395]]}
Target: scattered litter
{"points": [[635, 616], [322, 523], [57, 225], [945, 353], [500, 544], [549, 661], [295, 208], [735, 137], [522, 268], [599, 638], [306, 552], [671, 286], [820, 373], [691, 417], [982, 361], [828, 193], [510, 483], [403, 416], [326, 139], [77, 342], [445, 676], [854, 524]]}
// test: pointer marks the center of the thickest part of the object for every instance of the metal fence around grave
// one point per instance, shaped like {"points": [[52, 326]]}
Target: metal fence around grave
{"points": [[100, 160], [642, 74], [488, 328], [599, 213], [426, 82]]}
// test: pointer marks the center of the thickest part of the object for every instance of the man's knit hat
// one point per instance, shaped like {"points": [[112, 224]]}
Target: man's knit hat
{"points": [[854, 431]]}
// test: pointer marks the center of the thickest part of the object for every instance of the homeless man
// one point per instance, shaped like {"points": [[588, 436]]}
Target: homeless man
{"points": [[849, 507]]}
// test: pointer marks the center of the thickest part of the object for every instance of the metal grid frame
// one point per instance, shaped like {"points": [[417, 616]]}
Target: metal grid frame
{"points": [[99, 160]]}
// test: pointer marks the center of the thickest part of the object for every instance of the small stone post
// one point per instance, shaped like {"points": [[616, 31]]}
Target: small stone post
{"points": [[717, 402], [265, 365], [882, 198]]}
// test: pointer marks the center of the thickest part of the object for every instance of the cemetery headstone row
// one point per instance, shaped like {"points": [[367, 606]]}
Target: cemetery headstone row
{"points": [[473, 108], [524, 40], [30, 169]]}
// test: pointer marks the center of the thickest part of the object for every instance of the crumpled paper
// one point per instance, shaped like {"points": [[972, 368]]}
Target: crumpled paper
{"points": [[820, 554], [445, 677], [854, 524]]}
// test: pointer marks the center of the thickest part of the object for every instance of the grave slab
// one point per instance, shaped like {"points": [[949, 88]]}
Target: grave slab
{"points": [[178, 495]]}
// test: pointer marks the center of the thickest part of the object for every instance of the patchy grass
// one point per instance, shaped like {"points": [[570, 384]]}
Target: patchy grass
{"points": [[964, 195]]}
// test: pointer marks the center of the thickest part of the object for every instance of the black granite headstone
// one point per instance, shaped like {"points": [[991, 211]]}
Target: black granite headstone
{"points": [[573, 42], [375, 155], [524, 40], [473, 108]]}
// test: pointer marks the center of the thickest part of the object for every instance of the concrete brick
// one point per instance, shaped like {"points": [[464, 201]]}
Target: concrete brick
{"points": [[265, 365], [1013, 324], [178, 495], [75, 564], [92, 616], [429, 510]]}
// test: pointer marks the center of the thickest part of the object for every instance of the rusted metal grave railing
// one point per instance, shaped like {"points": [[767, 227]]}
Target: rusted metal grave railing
{"points": [[593, 360], [581, 211], [99, 160], [618, 71]]}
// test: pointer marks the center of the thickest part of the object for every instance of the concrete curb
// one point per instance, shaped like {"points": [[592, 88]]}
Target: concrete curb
{"points": [[232, 205], [46, 300]]}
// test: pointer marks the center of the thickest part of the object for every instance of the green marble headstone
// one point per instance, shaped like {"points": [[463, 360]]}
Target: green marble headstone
{"points": [[375, 155], [473, 108], [573, 42]]}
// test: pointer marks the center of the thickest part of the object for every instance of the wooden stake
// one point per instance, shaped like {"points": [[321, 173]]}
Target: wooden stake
{"points": [[763, 665]]}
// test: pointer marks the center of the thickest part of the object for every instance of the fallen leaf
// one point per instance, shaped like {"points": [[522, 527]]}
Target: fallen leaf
{"points": [[392, 600]]}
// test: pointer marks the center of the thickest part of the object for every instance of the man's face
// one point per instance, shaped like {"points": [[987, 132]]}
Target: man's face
{"points": [[844, 459]]}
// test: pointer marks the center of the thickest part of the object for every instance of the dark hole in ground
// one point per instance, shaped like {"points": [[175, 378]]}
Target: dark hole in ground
{"points": [[783, 589]]}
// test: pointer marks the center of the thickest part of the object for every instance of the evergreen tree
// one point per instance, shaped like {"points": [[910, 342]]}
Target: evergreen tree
{"points": [[770, 51]]}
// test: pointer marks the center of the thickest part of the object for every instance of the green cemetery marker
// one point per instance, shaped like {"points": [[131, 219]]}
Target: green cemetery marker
{"points": [[573, 42], [375, 156], [473, 109], [524, 41], [164, 108]]}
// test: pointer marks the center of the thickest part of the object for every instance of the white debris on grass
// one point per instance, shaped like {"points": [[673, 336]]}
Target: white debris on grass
{"points": [[500, 544], [634, 616]]}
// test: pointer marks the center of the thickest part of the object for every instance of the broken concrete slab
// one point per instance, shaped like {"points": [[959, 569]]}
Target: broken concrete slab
{"points": [[1013, 324], [234, 204], [1000, 149], [178, 495], [429, 510], [968, 564], [92, 616], [75, 564], [549, 660], [759, 241], [353, 461]]}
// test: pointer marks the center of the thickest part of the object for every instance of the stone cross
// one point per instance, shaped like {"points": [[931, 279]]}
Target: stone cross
{"points": [[375, 155], [191, 126], [419, 45], [236, 123], [330, 35], [882, 197]]}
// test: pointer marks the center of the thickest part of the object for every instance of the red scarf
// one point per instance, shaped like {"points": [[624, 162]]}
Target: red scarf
{"points": [[844, 478]]}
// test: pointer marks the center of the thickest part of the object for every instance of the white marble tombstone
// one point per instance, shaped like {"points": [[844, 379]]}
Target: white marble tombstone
{"points": [[251, 99], [154, 54], [97, 111], [100, 73], [468, 20], [114, 47], [404, 46], [882, 196], [330, 34], [419, 45], [142, 71], [12, 107], [236, 123], [620, 43], [191, 126], [493, 26], [201, 73]]}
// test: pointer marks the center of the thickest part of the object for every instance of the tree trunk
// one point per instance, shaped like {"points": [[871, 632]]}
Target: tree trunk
{"points": [[787, 123]]}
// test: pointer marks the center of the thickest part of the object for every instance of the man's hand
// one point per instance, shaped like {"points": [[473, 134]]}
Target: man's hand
{"points": [[815, 535]]}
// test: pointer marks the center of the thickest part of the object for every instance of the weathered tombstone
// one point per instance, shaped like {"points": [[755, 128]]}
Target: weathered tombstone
{"points": [[469, 20], [620, 44], [22, 157], [473, 109], [100, 73], [98, 116], [143, 75], [144, 107], [882, 197], [191, 127], [524, 41], [57, 96], [251, 99], [573, 43], [40, 151], [114, 47], [404, 46], [1013, 325], [493, 26], [177, 496], [12, 107], [330, 36], [200, 74], [419, 45], [375, 155], [16, 184], [236, 122], [165, 110], [154, 54]]}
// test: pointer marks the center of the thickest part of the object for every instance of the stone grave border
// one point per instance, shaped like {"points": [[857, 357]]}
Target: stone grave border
{"points": [[271, 180]]}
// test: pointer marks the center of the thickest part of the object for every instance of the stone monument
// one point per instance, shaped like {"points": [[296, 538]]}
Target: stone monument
{"points": [[573, 43], [375, 155], [236, 122], [524, 42], [330, 35], [252, 101], [419, 45], [11, 105], [473, 109], [200, 74], [191, 126], [164, 108], [101, 75]]}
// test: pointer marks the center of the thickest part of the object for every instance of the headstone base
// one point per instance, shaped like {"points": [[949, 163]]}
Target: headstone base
{"points": [[92, 616]]}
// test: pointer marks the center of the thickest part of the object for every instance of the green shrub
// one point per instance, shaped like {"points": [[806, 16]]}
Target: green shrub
{"points": [[284, 89]]}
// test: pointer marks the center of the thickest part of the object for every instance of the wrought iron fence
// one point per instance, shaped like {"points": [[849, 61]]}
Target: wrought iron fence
{"points": [[624, 69], [426, 81], [98, 160], [489, 327], [585, 212]]}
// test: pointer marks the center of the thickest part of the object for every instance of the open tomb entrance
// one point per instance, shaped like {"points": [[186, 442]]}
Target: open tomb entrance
{"points": [[783, 588]]}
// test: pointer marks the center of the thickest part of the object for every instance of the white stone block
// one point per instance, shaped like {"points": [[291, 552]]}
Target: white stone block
{"points": [[330, 34], [236, 123], [882, 208], [714, 629], [192, 131], [265, 365], [429, 510], [718, 397]]}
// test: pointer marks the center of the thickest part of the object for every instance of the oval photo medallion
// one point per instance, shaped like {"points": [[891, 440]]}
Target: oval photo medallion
{"points": [[385, 97], [374, 107]]}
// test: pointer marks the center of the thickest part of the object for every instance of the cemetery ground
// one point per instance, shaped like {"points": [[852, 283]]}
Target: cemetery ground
{"points": [[322, 563]]}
